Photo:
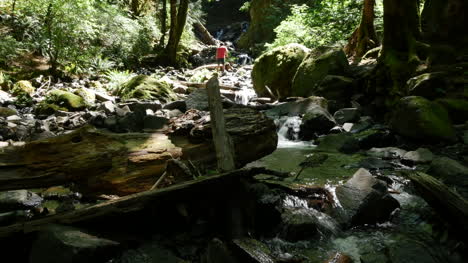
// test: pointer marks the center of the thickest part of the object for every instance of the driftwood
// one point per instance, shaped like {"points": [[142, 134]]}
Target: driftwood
{"points": [[447, 203], [203, 34], [134, 202], [221, 139]]}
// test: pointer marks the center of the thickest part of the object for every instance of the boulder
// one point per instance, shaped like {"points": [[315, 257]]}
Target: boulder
{"points": [[337, 89], [313, 71], [347, 115], [387, 153], [342, 142], [178, 104], [23, 87], [316, 121], [147, 88], [198, 100], [298, 107], [421, 155], [62, 244], [449, 170], [420, 119], [375, 138], [273, 72], [87, 94], [18, 200], [65, 99], [108, 107], [428, 85], [365, 200], [457, 109], [298, 224]]}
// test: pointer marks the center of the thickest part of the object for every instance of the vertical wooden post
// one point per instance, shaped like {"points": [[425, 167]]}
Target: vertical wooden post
{"points": [[221, 139]]}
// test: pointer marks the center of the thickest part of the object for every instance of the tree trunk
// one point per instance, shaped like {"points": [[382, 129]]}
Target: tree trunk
{"points": [[203, 34], [178, 19], [400, 47], [163, 18], [364, 37]]}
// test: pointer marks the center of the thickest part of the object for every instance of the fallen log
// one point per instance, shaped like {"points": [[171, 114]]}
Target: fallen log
{"points": [[447, 203], [95, 160], [98, 162], [134, 202], [203, 34], [203, 85]]}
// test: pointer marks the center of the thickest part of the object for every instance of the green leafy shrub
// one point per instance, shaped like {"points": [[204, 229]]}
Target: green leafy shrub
{"points": [[323, 23], [117, 78]]}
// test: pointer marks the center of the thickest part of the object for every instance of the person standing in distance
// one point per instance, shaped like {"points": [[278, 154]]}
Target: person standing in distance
{"points": [[221, 54]]}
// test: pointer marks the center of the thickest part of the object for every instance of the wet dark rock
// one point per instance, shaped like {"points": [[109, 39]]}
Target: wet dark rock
{"points": [[298, 224], [421, 155], [298, 107], [217, 251], [456, 108], [316, 121], [252, 250], [410, 250], [153, 122], [342, 142], [387, 153], [18, 200], [347, 115], [12, 217], [62, 244], [449, 170], [375, 138], [365, 200], [178, 104]]}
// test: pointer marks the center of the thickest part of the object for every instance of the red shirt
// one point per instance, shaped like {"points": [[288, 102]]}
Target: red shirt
{"points": [[221, 52]]}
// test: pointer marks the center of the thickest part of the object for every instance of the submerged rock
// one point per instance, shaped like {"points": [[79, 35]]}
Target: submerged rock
{"points": [[316, 121], [273, 72], [421, 155], [62, 244], [365, 200], [298, 224], [421, 119]]}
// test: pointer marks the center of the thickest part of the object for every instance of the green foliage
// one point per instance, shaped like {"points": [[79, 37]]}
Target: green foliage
{"points": [[245, 7], [323, 23], [117, 78], [9, 49], [200, 76]]}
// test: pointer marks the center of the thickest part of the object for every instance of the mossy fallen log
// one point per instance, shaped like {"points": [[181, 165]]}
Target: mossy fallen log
{"points": [[447, 203]]}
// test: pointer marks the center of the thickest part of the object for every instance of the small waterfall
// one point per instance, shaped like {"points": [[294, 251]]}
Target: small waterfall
{"points": [[219, 34], [244, 95], [289, 128]]}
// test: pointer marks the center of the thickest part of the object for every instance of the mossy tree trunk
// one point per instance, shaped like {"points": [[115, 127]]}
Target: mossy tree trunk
{"points": [[364, 37], [178, 19], [400, 48]]}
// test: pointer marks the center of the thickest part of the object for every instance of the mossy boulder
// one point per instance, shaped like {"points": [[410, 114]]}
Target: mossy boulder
{"points": [[275, 70], [23, 87], [147, 88], [418, 118], [314, 69], [45, 108], [65, 99], [87, 94], [457, 109]]}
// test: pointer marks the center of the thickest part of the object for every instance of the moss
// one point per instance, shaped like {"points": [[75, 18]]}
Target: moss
{"points": [[457, 109], [5, 112], [275, 70], [421, 119], [315, 68], [45, 108], [147, 88], [88, 95], [22, 87], [66, 100]]}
